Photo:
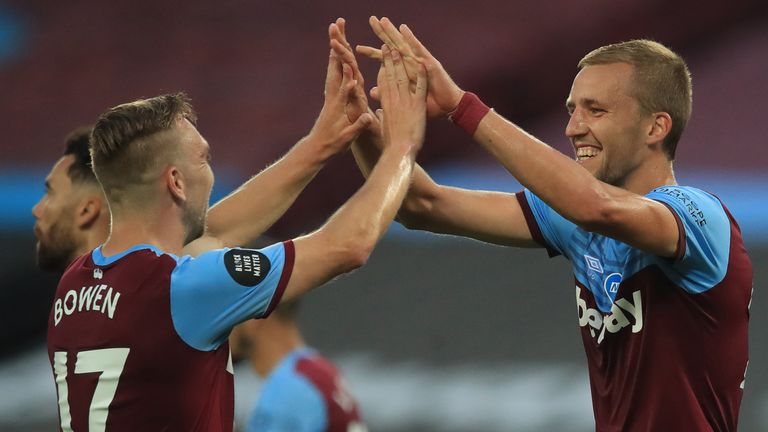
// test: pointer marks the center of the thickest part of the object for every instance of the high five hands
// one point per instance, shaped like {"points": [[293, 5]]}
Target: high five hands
{"points": [[443, 94], [402, 85]]}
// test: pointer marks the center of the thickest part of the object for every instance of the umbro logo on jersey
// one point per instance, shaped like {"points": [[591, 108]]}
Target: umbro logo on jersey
{"points": [[594, 264], [97, 273]]}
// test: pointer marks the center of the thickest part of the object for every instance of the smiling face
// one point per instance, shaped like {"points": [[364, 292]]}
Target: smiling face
{"points": [[607, 125]]}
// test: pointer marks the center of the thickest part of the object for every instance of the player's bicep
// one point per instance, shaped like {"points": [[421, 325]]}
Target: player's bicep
{"points": [[202, 244], [646, 224], [493, 217], [213, 292]]}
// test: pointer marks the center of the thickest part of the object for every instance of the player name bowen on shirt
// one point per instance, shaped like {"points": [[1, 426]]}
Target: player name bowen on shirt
{"points": [[99, 298]]}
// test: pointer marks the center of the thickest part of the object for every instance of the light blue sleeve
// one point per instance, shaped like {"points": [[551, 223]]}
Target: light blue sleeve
{"points": [[212, 293], [705, 231], [555, 229], [289, 403]]}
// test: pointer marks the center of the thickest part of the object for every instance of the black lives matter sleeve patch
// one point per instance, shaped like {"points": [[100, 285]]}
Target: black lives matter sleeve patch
{"points": [[247, 267]]}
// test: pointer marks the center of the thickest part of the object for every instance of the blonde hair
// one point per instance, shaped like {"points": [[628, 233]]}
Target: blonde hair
{"points": [[662, 81], [128, 144]]}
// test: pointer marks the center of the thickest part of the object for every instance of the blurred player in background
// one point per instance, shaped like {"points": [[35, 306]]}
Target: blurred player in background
{"points": [[302, 390], [72, 218], [663, 281], [138, 332]]}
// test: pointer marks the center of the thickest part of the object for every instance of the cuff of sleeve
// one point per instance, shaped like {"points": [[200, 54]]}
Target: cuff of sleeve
{"points": [[533, 225], [680, 249], [469, 112], [284, 277]]}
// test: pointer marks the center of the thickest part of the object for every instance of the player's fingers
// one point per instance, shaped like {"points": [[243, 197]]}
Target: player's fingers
{"points": [[369, 52], [398, 69], [333, 75], [335, 34], [418, 49], [390, 79], [383, 81], [375, 125], [342, 52], [379, 30], [394, 36], [333, 31], [342, 24], [350, 132], [339, 35], [347, 56], [347, 81], [361, 123], [375, 93], [421, 82]]}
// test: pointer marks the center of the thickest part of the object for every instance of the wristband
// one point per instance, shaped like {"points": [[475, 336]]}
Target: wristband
{"points": [[469, 112]]}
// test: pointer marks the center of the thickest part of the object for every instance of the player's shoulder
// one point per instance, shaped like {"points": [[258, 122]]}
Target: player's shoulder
{"points": [[685, 195], [286, 382], [316, 367], [289, 401], [138, 253], [294, 364], [136, 260], [700, 207], [77, 265]]}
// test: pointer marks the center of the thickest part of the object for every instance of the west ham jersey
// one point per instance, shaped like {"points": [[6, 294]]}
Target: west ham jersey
{"points": [[666, 339], [138, 341], [304, 393]]}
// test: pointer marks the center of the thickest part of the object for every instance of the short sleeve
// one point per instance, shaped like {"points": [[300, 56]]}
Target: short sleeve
{"points": [[289, 404], [547, 227], [701, 260], [215, 291]]}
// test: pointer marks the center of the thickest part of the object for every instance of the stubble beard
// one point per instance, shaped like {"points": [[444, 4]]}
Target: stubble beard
{"points": [[194, 224], [56, 250]]}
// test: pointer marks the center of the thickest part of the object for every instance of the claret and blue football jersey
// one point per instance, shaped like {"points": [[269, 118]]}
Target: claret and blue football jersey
{"points": [[305, 393], [666, 338], [138, 341]]}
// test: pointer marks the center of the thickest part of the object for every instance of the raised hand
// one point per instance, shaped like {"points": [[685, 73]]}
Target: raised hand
{"points": [[444, 95], [403, 113], [341, 120], [357, 103]]}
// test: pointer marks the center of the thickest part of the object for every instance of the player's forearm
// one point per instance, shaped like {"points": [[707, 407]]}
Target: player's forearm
{"points": [[362, 221], [366, 149], [247, 213], [416, 210], [558, 180]]}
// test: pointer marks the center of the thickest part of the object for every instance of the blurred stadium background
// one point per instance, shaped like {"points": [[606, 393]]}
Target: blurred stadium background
{"points": [[436, 333]]}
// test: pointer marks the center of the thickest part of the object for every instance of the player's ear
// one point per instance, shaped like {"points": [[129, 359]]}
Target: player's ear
{"points": [[660, 128], [176, 183], [88, 210]]}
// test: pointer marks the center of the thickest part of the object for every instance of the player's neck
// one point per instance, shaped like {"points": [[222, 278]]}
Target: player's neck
{"points": [[96, 234], [274, 346], [655, 173], [129, 229], [91, 237]]}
